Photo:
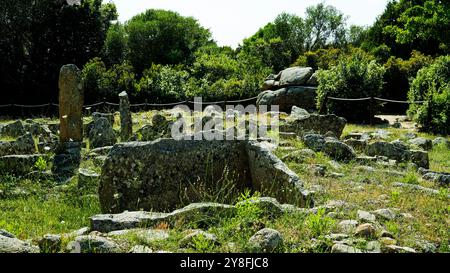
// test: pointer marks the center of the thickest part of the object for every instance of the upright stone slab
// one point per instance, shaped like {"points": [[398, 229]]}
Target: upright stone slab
{"points": [[71, 97], [125, 117]]}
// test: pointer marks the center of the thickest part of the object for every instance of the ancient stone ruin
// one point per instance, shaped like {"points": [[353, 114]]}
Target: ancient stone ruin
{"points": [[158, 175], [71, 99], [294, 86], [126, 123]]}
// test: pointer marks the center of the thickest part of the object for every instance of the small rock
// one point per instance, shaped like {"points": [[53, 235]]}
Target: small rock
{"points": [[50, 243], [399, 249], [365, 216], [421, 142], [266, 240], [347, 225], [341, 248], [140, 249], [365, 230], [189, 240], [373, 247], [441, 141], [385, 214], [92, 244], [14, 245], [337, 236], [387, 241]]}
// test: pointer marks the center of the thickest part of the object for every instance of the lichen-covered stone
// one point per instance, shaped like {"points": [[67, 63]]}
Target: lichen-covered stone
{"points": [[126, 123], [153, 175], [14, 245], [320, 124], [101, 133], [286, 98], [267, 241], [71, 99]]}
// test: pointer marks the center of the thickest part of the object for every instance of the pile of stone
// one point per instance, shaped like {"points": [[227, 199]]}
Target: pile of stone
{"points": [[292, 86]]}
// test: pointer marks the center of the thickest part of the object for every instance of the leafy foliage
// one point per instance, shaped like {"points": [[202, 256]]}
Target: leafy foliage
{"points": [[432, 85], [38, 37], [163, 37], [355, 76]]}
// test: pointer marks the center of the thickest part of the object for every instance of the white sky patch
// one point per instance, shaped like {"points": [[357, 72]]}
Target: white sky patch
{"points": [[230, 21]]}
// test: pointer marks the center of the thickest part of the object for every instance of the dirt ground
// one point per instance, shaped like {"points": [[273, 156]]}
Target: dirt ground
{"points": [[404, 121]]}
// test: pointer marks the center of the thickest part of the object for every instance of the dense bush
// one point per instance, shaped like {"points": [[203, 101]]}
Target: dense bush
{"points": [[319, 59], [432, 85], [163, 84], [163, 37], [354, 76], [102, 84]]}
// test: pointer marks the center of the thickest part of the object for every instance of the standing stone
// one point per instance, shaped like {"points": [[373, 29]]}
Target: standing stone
{"points": [[71, 99], [125, 117]]}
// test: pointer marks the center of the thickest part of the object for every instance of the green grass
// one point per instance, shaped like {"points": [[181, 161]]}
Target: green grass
{"points": [[30, 208], [43, 207]]}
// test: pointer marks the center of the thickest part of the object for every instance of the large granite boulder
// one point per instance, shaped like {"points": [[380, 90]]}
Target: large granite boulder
{"points": [[285, 98], [296, 76], [392, 150], [301, 123], [153, 175], [10, 244]]}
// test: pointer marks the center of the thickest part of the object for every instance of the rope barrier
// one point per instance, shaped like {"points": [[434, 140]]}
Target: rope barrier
{"points": [[399, 101], [343, 99], [203, 103]]}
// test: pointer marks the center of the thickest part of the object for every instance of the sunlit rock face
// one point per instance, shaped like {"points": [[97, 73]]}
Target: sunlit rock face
{"points": [[165, 174]]}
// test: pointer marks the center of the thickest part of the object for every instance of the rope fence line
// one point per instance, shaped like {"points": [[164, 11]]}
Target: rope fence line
{"points": [[203, 103], [376, 98]]}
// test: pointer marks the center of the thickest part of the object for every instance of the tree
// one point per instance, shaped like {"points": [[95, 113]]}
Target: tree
{"points": [[408, 25], [324, 25], [425, 24], [163, 37], [38, 37], [432, 85], [280, 43], [115, 48], [355, 76]]}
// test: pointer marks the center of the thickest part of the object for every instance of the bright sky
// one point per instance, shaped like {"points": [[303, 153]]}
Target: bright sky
{"points": [[230, 21]]}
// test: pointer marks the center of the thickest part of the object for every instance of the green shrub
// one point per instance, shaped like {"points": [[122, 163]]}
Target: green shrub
{"points": [[354, 76], [319, 59], [432, 85], [40, 164], [102, 84], [163, 84], [319, 224]]}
